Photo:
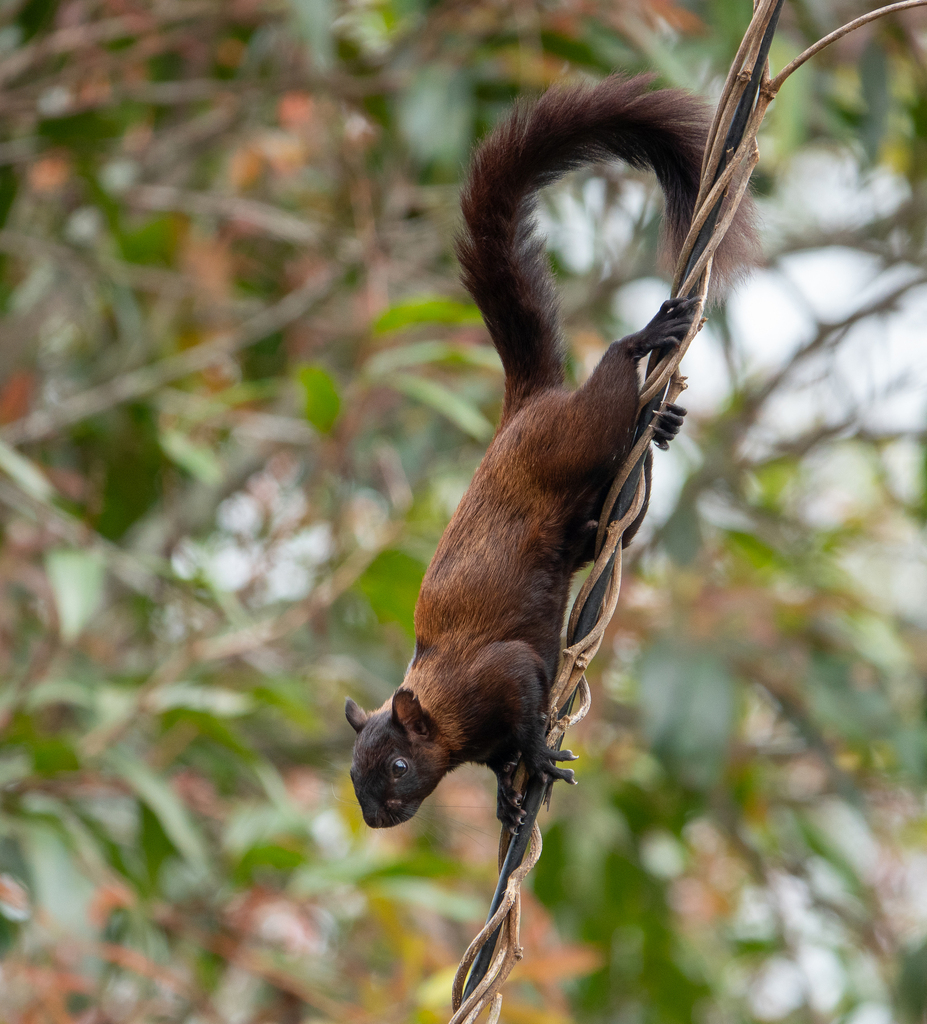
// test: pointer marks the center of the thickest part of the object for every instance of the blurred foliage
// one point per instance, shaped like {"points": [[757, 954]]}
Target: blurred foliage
{"points": [[241, 392]]}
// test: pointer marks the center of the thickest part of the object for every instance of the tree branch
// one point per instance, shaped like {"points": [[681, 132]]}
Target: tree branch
{"points": [[132, 385]]}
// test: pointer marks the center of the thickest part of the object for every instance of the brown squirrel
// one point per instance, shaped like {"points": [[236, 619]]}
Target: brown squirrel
{"points": [[489, 615]]}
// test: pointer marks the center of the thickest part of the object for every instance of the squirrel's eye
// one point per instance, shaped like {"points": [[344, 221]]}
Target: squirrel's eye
{"points": [[400, 767]]}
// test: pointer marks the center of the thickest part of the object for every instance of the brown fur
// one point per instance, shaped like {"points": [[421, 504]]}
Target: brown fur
{"points": [[492, 603]]}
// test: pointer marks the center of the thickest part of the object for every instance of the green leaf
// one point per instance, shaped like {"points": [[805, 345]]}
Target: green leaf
{"points": [[60, 691], [322, 875], [759, 554], [76, 579], [293, 707], [436, 114], [874, 78], [267, 855], [687, 702], [52, 755], [89, 130], [245, 391], [36, 15], [912, 989], [215, 700], [8, 187], [195, 459], [427, 310], [163, 802], [211, 727], [787, 122], [568, 47], [432, 352], [858, 714], [434, 992], [458, 410], [391, 584], [61, 889], [323, 402], [25, 473], [418, 892], [152, 243], [682, 535], [314, 20], [14, 766]]}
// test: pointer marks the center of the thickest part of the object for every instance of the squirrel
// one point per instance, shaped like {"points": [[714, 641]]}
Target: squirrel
{"points": [[491, 607]]}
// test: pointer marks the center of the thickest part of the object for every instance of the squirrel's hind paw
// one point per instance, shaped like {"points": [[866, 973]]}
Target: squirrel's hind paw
{"points": [[666, 330], [667, 424], [545, 765], [509, 810]]}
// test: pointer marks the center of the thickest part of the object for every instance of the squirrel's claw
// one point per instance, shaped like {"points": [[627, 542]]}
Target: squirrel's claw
{"points": [[545, 765], [667, 424]]}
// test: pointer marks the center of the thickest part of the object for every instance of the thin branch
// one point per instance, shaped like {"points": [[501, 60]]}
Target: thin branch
{"points": [[249, 960], [110, 30], [804, 444], [267, 219], [135, 574], [18, 151], [243, 641], [19, 243], [137, 963], [775, 84], [826, 337], [133, 385], [793, 709], [257, 635]]}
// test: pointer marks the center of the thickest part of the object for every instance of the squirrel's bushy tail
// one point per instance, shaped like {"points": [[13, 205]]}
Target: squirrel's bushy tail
{"points": [[504, 265]]}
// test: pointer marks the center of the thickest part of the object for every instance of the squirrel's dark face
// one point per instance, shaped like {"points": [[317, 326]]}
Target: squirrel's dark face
{"points": [[397, 762]]}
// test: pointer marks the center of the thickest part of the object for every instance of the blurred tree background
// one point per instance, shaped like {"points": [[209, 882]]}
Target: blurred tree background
{"points": [[241, 391]]}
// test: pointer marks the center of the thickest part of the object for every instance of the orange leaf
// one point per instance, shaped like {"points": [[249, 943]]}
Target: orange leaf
{"points": [[15, 396], [245, 167], [295, 110], [49, 174], [560, 964]]}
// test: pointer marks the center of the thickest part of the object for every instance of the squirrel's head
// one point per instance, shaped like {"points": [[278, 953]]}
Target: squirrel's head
{"points": [[397, 760]]}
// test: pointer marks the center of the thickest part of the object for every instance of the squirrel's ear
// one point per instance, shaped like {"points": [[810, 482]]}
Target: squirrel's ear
{"points": [[409, 714], [355, 715]]}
